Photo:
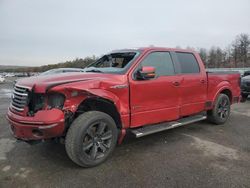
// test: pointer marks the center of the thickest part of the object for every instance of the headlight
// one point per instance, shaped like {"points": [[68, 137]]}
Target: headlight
{"points": [[36, 102], [56, 100]]}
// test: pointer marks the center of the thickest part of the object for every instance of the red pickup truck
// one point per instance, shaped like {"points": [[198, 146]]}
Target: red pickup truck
{"points": [[143, 91]]}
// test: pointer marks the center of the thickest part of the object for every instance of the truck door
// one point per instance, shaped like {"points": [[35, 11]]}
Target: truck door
{"points": [[154, 100], [193, 85]]}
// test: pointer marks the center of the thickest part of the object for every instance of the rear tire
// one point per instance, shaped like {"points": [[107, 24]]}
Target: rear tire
{"points": [[91, 138], [221, 111]]}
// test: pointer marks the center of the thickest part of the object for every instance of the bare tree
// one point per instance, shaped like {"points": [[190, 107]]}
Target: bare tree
{"points": [[244, 47], [203, 55], [228, 56], [212, 57], [240, 49], [220, 57]]}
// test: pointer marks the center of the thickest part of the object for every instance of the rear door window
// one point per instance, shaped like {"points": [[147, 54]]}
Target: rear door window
{"points": [[188, 63]]}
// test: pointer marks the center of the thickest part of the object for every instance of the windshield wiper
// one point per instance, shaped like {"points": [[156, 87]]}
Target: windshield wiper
{"points": [[93, 70]]}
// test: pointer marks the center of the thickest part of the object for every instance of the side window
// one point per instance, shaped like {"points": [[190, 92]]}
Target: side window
{"points": [[161, 61], [188, 63], [58, 71]]}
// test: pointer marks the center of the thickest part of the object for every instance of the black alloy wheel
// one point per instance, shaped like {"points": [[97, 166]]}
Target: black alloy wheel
{"points": [[97, 140], [221, 110]]}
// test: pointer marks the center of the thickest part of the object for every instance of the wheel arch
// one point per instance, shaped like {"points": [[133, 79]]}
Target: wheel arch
{"points": [[225, 90], [100, 104]]}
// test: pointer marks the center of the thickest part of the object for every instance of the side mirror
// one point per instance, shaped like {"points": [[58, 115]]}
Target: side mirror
{"points": [[146, 73]]}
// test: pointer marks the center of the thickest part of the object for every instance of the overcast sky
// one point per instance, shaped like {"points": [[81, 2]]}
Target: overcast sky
{"points": [[37, 32]]}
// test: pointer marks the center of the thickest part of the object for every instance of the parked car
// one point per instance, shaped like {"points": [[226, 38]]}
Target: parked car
{"points": [[246, 73], [10, 75], [143, 91], [2, 79], [61, 70], [245, 87]]}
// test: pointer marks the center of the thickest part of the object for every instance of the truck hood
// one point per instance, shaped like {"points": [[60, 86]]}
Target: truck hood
{"points": [[43, 83]]}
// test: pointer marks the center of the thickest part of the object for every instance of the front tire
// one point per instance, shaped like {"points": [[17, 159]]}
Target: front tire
{"points": [[221, 111], [91, 138]]}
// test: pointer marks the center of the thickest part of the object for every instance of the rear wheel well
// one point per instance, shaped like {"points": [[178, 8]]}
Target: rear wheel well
{"points": [[102, 105], [228, 93]]}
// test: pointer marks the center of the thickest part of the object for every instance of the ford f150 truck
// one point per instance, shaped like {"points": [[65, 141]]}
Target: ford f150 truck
{"points": [[144, 91]]}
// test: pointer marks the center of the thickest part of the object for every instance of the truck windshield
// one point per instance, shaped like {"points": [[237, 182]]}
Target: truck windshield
{"points": [[116, 63]]}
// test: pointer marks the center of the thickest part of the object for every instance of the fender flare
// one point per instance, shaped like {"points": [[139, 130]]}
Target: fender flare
{"points": [[226, 86]]}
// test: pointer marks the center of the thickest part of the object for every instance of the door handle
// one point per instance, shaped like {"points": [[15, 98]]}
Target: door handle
{"points": [[176, 83], [202, 81]]}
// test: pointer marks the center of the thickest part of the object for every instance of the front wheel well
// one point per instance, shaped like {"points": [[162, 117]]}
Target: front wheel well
{"points": [[102, 105]]}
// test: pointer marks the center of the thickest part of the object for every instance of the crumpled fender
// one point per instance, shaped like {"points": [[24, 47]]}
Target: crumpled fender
{"points": [[88, 89], [107, 95], [98, 89]]}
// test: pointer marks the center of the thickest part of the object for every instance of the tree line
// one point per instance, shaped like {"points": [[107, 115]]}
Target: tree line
{"points": [[76, 63], [235, 55]]}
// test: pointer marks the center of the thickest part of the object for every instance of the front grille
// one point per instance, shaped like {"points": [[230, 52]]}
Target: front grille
{"points": [[19, 98], [248, 83]]}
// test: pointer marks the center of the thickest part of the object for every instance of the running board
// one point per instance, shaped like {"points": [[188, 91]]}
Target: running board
{"points": [[150, 129]]}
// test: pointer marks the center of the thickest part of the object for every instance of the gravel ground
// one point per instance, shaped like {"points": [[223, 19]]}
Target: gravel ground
{"points": [[196, 155]]}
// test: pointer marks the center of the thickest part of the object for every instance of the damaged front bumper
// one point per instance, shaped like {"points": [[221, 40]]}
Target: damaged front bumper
{"points": [[45, 124]]}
